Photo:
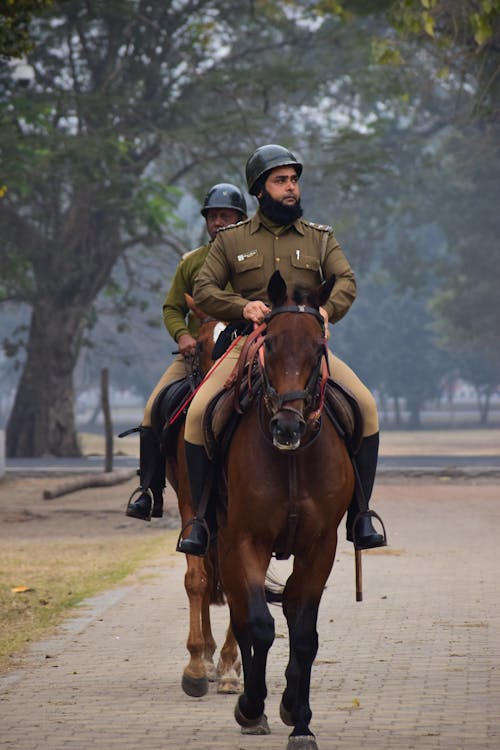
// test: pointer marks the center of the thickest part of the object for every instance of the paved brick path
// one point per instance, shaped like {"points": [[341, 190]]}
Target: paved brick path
{"points": [[416, 665]]}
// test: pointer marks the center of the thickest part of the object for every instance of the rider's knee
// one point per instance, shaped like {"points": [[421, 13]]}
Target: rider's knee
{"points": [[368, 407]]}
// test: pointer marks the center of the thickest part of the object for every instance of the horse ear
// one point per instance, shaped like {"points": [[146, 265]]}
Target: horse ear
{"points": [[276, 290], [325, 289], [193, 306]]}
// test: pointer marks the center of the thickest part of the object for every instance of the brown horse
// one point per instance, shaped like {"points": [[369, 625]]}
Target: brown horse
{"points": [[290, 481], [201, 575]]}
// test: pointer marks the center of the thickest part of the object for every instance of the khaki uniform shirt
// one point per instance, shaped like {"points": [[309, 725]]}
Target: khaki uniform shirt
{"points": [[247, 254], [175, 309]]}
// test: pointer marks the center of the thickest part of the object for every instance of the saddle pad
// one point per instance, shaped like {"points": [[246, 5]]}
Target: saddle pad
{"points": [[221, 418], [343, 409]]}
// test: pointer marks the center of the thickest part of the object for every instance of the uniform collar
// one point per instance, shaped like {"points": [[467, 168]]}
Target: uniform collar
{"points": [[259, 220]]}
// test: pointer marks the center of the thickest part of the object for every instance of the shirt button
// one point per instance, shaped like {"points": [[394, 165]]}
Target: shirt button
{"points": [[278, 260]]}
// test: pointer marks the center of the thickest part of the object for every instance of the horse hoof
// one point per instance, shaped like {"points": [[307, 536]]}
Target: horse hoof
{"points": [[195, 687], [262, 727], [302, 742], [210, 670], [286, 716], [229, 686], [251, 726]]}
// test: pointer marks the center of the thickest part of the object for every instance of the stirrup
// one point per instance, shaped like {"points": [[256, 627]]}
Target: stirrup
{"points": [[141, 490], [191, 522], [367, 514]]}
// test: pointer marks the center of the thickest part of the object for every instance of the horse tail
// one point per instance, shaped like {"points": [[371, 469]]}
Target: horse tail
{"points": [[273, 586]]}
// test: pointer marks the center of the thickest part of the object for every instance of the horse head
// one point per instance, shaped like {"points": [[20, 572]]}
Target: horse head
{"points": [[294, 353]]}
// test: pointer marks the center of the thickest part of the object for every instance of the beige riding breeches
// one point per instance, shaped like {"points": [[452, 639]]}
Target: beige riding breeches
{"points": [[175, 371], [223, 367]]}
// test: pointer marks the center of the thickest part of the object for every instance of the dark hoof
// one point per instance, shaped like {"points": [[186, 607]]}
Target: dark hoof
{"points": [[302, 742], [258, 726], [195, 687]]}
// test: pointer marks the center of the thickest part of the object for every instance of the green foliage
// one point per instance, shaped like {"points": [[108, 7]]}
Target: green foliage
{"points": [[15, 18]]}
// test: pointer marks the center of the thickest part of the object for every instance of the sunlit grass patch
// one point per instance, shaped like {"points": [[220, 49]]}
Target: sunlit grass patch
{"points": [[54, 576]]}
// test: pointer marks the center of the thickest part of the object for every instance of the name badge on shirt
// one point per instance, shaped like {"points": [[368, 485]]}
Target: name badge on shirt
{"points": [[244, 256]]}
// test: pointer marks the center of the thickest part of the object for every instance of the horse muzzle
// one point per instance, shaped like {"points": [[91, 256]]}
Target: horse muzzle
{"points": [[287, 428]]}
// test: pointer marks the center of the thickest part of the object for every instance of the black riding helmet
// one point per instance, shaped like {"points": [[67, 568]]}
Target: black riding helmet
{"points": [[266, 158], [224, 195]]}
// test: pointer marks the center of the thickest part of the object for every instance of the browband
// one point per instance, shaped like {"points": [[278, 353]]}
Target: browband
{"points": [[295, 309]]}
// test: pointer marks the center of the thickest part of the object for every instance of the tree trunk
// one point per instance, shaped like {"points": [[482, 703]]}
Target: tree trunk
{"points": [[414, 406], [42, 419]]}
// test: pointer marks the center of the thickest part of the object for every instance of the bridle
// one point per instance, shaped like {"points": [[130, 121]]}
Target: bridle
{"points": [[313, 393]]}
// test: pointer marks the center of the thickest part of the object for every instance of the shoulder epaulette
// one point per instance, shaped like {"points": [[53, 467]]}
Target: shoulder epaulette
{"points": [[232, 226], [319, 227]]}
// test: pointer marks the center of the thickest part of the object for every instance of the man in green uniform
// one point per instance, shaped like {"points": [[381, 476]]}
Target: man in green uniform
{"points": [[224, 204], [246, 256]]}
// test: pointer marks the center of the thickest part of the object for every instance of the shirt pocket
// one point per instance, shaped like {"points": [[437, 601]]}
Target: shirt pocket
{"points": [[249, 272], [303, 262]]}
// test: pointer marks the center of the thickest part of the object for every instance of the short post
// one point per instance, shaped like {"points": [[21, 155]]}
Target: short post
{"points": [[108, 427], [359, 575], [2, 453]]}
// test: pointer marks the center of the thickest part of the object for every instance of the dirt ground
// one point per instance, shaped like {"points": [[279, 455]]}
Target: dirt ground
{"points": [[87, 513], [100, 511]]}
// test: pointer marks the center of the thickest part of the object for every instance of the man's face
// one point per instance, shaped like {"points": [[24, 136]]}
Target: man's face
{"points": [[282, 185], [218, 218]]}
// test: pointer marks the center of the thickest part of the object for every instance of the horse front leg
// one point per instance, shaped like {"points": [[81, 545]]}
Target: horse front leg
{"points": [[253, 627], [295, 709], [209, 644], [301, 600], [194, 678], [229, 666], [255, 638]]}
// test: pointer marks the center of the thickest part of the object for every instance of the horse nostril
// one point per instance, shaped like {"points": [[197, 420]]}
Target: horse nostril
{"points": [[287, 428]]}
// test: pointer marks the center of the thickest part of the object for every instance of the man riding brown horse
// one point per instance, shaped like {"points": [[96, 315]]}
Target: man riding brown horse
{"points": [[224, 204], [246, 256]]}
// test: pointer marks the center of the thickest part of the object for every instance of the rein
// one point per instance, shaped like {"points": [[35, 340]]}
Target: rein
{"points": [[188, 400]]}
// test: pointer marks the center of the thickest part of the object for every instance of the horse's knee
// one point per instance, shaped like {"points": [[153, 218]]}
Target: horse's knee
{"points": [[195, 581], [260, 622]]}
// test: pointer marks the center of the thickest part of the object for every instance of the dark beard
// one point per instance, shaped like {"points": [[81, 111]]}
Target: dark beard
{"points": [[277, 212]]}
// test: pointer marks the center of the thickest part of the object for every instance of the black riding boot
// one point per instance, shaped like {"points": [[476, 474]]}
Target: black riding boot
{"points": [[366, 462], [198, 465], [152, 479]]}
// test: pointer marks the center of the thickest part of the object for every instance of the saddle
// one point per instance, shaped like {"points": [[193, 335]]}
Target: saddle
{"points": [[167, 405]]}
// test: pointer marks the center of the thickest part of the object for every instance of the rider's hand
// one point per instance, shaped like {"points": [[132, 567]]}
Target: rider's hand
{"points": [[325, 318], [187, 345], [256, 311]]}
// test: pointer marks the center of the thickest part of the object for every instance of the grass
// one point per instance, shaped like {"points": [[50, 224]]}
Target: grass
{"points": [[58, 575]]}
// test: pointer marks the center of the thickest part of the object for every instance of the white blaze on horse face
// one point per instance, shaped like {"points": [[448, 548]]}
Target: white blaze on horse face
{"points": [[218, 330]]}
